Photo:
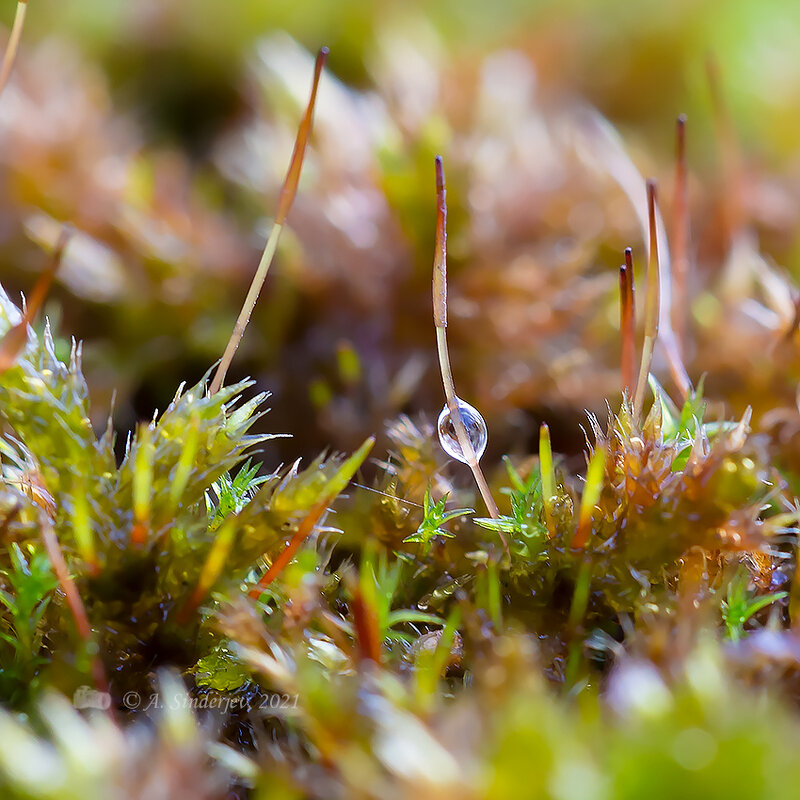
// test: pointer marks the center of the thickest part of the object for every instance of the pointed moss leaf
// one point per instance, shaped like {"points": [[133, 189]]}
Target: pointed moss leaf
{"points": [[321, 482], [28, 586], [196, 440], [45, 403]]}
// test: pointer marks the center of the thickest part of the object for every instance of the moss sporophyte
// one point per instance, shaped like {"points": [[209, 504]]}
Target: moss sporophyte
{"points": [[178, 619]]}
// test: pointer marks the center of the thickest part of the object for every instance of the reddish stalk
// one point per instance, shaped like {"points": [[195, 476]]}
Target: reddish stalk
{"points": [[289, 188], [73, 598], [285, 200], [680, 241], [14, 341], [213, 564], [365, 621], [439, 286], [300, 535], [627, 309], [652, 302], [335, 486], [13, 43], [605, 145], [215, 560]]}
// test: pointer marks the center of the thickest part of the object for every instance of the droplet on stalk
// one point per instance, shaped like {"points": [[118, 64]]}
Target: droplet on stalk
{"points": [[474, 425], [468, 423]]}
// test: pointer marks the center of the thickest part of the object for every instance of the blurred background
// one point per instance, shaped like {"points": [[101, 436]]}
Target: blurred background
{"points": [[161, 129]]}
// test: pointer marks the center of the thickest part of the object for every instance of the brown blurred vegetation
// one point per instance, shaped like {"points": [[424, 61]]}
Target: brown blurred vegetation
{"points": [[161, 131]]}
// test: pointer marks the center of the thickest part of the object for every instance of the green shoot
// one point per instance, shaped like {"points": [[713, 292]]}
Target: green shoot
{"points": [[375, 594], [524, 524], [577, 612], [433, 521], [380, 582], [488, 593], [30, 583], [591, 495], [231, 494], [740, 604], [183, 469], [548, 478], [494, 595], [142, 485], [82, 524]]}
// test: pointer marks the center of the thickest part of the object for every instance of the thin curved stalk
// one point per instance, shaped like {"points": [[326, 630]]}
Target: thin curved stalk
{"points": [[440, 321], [652, 301], [680, 240], [76, 607], [605, 144], [13, 43], [13, 342], [627, 298], [285, 200]]}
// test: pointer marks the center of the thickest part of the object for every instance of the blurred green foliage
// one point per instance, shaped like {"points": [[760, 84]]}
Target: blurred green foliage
{"points": [[615, 54]]}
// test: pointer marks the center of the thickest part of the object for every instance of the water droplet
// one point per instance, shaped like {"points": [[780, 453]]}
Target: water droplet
{"points": [[474, 425]]}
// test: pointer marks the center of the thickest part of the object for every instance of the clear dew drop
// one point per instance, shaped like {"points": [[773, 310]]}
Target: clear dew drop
{"points": [[475, 427]]}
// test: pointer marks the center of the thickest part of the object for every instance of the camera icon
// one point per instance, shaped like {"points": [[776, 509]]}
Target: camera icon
{"points": [[86, 697]]}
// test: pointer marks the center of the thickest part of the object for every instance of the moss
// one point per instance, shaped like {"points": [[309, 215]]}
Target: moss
{"points": [[179, 619]]}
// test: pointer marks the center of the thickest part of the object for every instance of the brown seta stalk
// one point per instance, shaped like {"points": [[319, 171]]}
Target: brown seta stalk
{"points": [[16, 337], [303, 531], [440, 321], [73, 598], [680, 241], [652, 301], [627, 308], [604, 144], [13, 43], [365, 622], [285, 200]]}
